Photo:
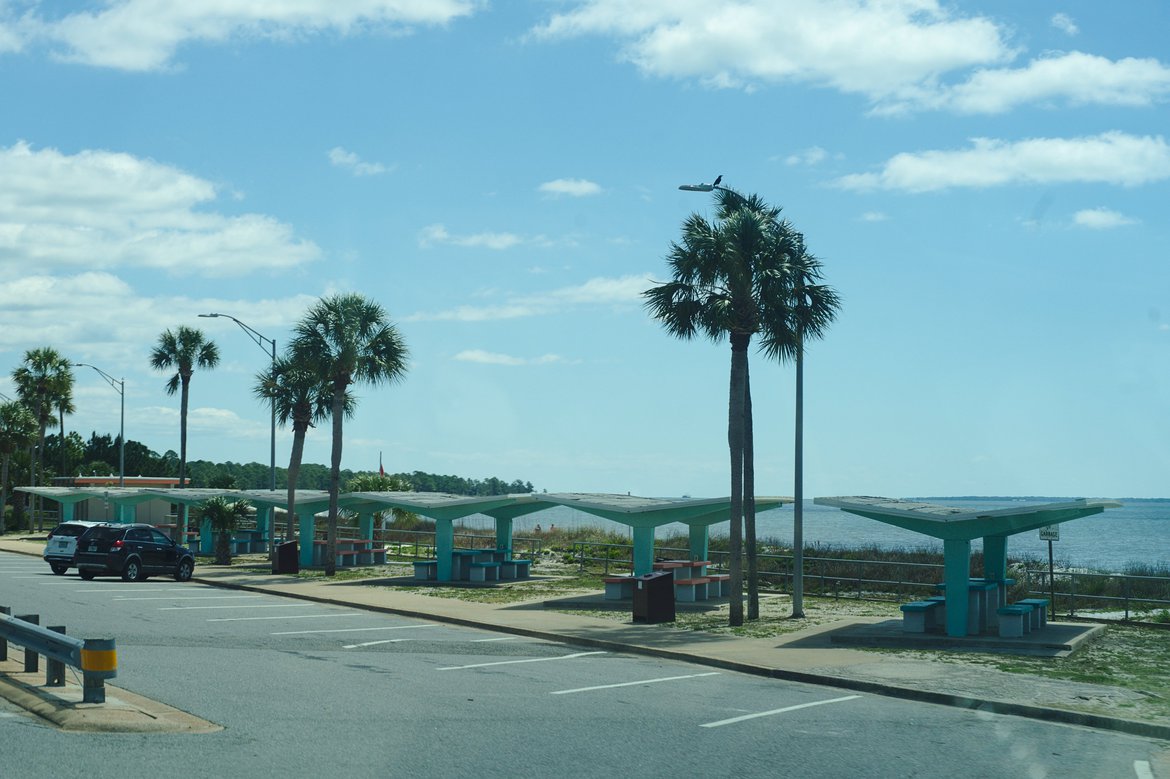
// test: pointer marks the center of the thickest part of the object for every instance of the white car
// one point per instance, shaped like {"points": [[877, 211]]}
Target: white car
{"points": [[61, 548]]}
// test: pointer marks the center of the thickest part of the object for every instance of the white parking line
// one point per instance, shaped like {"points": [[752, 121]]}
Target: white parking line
{"points": [[734, 720], [1142, 769], [354, 630], [242, 606], [634, 684], [290, 616], [121, 588], [504, 638], [196, 597], [512, 662], [375, 643]]}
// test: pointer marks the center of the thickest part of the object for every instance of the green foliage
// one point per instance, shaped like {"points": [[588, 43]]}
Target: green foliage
{"points": [[225, 516], [457, 485]]}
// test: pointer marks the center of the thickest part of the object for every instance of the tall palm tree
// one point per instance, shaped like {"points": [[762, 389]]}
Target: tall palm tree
{"points": [[811, 308], [184, 350], [347, 339], [302, 397], [728, 280], [40, 379], [18, 428]]}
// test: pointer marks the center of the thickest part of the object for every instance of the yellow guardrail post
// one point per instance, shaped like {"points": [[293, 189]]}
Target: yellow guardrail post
{"points": [[99, 661]]}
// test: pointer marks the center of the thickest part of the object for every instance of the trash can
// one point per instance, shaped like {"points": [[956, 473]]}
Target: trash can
{"points": [[287, 558], [654, 597]]}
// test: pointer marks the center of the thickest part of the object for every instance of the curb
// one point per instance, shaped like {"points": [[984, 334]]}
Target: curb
{"points": [[1063, 716]]}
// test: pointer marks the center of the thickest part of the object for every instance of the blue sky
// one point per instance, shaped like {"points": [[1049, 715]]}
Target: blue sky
{"points": [[985, 182]]}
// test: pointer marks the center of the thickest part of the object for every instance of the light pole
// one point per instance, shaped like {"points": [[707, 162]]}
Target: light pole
{"points": [[260, 340], [120, 386], [798, 459]]}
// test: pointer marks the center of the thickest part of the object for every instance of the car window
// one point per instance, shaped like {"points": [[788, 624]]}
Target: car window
{"points": [[158, 537], [102, 533], [68, 529], [138, 534]]}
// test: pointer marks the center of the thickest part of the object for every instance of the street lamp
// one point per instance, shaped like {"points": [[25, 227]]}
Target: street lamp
{"points": [[260, 340], [120, 386], [798, 459]]}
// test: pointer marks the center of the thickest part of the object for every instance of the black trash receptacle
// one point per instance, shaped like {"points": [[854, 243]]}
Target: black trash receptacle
{"points": [[287, 558], [654, 597]]}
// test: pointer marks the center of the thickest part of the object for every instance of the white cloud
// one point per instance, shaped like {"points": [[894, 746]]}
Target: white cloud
{"points": [[145, 34], [1101, 219], [1065, 24], [493, 358], [877, 49], [98, 210], [1109, 158], [347, 160], [1074, 78], [601, 291], [570, 187], [436, 234], [874, 216], [813, 155]]}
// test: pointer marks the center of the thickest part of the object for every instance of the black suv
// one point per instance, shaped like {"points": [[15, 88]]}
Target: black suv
{"points": [[132, 551]]}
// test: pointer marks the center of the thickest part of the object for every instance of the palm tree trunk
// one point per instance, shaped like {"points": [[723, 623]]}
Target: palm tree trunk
{"points": [[37, 503], [735, 428], [749, 499], [183, 456], [223, 548], [294, 472], [798, 489], [61, 417], [334, 480]]}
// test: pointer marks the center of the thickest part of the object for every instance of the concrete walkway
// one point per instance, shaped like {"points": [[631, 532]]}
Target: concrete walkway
{"points": [[807, 656]]}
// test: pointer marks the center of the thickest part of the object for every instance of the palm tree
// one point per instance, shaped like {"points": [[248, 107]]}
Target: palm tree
{"points": [[18, 428], [225, 516], [728, 282], [302, 397], [183, 350], [347, 339], [811, 308], [64, 405], [375, 482], [40, 380]]}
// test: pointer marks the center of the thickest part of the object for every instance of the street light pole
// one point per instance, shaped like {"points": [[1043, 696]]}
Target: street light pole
{"points": [[260, 340], [120, 386]]}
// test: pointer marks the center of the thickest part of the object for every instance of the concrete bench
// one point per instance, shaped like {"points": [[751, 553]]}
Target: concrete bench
{"points": [[349, 557], [920, 616], [1015, 621], [691, 590], [480, 572], [619, 587], [426, 569], [718, 585], [523, 567], [1039, 611]]}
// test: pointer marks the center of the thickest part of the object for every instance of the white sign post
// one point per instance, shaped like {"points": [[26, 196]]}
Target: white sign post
{"points": [[1051, 533]]}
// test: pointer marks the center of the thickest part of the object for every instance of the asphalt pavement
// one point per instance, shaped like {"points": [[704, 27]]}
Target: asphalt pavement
{"points": [[829, 655]]}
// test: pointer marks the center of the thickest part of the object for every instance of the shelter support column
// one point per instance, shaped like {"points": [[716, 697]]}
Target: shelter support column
{"points": [[366, 525], [698, 538], [263, 522], [643, 550], [307, 534], [67, 511], [995, 558], [444, 546], [206, 537], [957, 575], [504, 536]]}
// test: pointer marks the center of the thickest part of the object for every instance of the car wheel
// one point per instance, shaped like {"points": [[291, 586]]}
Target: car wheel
{"points": [[185, 569], [59, 568], [133, 570], [87, 575]]}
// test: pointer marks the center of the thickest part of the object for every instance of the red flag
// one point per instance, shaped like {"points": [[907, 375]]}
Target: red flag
{"points": [[381, 470]]}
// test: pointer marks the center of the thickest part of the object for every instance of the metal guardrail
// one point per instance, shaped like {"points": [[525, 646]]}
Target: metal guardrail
{"points": [[96, 658], [890, 580], [1073, 590]]}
